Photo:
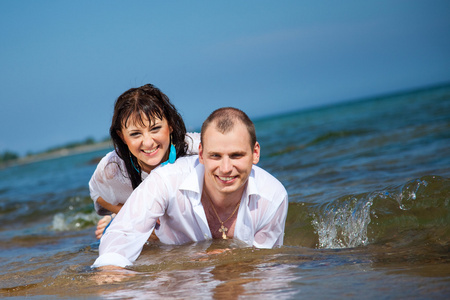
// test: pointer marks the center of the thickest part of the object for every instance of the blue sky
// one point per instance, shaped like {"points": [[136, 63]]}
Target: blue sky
{"points": [[63, 63]]}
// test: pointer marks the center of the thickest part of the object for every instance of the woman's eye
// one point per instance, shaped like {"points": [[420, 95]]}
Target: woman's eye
{"points": [[156, 128]]}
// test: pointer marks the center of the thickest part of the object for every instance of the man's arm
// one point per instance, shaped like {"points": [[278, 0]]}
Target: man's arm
{"points": [[272, 233], [130, 229]]}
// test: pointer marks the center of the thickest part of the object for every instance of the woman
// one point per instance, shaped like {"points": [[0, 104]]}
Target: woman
{"points": [[146, 131]]}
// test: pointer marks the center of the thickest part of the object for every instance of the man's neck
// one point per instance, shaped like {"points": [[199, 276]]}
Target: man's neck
{"points": [[223, 201]]}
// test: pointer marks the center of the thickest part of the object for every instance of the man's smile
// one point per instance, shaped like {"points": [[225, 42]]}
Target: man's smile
{"points": [[227, 179]]}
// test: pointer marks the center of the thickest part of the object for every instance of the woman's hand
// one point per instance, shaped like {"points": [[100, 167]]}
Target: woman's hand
{"points": [[101, 225]]}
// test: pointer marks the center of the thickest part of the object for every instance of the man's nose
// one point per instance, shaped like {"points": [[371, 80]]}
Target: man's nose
{"points": [[225, 165]]}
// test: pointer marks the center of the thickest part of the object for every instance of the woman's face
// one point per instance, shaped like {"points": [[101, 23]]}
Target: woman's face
{"points": [[149, 143]]}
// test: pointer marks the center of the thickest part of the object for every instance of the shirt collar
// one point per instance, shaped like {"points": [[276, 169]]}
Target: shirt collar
{"points": [[252, 188], [194, 181]]}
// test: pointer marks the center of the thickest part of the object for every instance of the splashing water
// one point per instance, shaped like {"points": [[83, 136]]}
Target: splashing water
{"points": [[344, 225]]}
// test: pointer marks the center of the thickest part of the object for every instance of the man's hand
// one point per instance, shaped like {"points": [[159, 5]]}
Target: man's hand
{"points": [[111, 274]]}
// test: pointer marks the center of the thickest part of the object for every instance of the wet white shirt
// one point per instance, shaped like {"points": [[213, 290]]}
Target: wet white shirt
{"points": [[110, 179], [172, 193]]}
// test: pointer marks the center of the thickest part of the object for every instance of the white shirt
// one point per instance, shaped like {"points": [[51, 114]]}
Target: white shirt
{"points": [[173, 193], [110, 179]]}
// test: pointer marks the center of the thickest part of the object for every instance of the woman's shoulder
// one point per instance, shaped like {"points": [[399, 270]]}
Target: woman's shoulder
{"points": [[110, 157], [193, 141], [193, 135], [111, 165]]}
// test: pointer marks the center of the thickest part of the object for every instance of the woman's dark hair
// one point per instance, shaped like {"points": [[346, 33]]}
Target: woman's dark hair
{"points": [[145, 103]]}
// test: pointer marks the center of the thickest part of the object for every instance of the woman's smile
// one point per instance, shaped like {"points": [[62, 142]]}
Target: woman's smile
{"points": [[151, 151], [147, 141]]}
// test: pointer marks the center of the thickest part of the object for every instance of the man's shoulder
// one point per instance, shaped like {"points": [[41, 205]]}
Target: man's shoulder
{"points": [[268, 185]]}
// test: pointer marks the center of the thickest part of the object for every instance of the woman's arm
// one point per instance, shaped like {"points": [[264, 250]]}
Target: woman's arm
{"points": [[111, 207], [103, 222], [109, 187]]}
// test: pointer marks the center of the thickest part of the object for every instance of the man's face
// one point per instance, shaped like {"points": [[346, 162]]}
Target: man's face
{"points": [[228, 159]]}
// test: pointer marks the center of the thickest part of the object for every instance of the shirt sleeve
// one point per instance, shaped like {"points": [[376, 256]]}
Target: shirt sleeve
{"points": [[123, 241], [110, 182]]}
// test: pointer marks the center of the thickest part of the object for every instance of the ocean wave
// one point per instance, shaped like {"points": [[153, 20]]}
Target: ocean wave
{"points": [[414, 213], [67, 222]]}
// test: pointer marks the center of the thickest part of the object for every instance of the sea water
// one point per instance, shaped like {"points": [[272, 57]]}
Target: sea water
{"points": [[369, 216]]}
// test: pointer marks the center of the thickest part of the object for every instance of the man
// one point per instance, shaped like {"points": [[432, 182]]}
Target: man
{"points": [[221, 194]]}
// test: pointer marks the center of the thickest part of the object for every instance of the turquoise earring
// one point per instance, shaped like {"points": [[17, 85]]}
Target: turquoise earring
{"points": [[172, 155], [134, 165]]}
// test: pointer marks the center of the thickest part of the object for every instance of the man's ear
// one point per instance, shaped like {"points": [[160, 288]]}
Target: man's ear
{"points": [[256, 153], [200, 153]]}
